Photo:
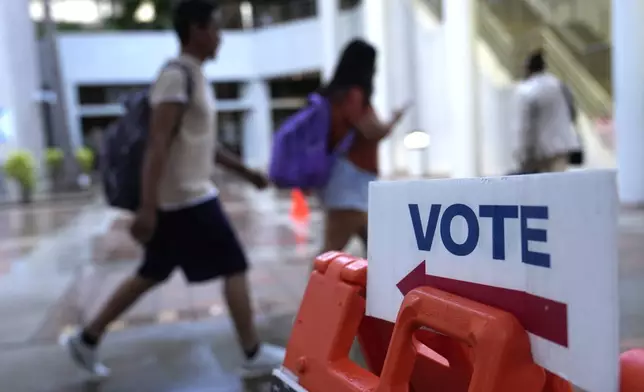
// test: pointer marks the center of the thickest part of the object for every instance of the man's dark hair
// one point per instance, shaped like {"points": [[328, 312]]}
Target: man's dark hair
{"points": [[356, 68], [192, 12], [536, 62]]}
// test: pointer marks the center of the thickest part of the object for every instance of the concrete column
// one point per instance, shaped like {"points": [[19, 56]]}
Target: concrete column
{"points": [[53, 77], [462, 85], [628, 95], [258, 127], [19, 80], [376, 28], [328, 11], [401, 74]]}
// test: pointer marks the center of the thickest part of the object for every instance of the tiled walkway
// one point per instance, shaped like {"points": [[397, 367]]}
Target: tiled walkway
{"points": [[59, 262]]}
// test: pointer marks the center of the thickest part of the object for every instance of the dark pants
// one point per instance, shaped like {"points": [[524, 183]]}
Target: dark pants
{"points": [[200, 240]]}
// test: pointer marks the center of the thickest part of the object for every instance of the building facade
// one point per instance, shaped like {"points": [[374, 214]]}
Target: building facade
{"points": [[450, 59]]}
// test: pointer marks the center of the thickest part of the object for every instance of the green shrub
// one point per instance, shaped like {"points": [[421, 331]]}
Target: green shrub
{"points": [[85, 159], [54, 157], [21, 166]]}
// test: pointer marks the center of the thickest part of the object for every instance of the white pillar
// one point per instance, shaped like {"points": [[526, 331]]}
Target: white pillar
{"points": [[258, 127], [376, 29], [462, 85], [20, 78], [401, 74], [628, 93], [328, 11]]}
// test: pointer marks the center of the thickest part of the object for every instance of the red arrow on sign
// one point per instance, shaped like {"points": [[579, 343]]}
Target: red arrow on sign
{"points": [[541, 316]]}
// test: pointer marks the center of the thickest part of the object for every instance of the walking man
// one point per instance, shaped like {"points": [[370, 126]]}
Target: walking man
{"points": [[180, 222]]}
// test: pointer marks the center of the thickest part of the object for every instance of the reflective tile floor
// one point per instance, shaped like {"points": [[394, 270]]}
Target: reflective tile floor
{"points": [[59, 261]]}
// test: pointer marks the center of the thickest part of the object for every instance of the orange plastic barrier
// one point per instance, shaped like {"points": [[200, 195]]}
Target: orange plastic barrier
{"points": [[632, 371], [440, 342]]}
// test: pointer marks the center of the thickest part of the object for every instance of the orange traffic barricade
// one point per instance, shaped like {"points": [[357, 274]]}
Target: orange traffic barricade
{"points": [[440, 342], [632, 371]]}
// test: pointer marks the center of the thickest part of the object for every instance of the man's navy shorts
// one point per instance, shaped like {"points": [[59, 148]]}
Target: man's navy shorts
{"points": [[199, 240]]}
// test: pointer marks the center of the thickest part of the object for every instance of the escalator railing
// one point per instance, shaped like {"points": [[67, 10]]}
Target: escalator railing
{"points": [[591, 96], [510, 49]]}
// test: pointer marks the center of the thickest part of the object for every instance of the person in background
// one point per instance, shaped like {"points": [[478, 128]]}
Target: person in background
{"points": [[546, 135], [181, 222], [345, 197]]}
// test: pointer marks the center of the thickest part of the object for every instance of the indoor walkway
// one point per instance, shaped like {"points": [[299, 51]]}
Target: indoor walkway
{"points": [[59, 261]]}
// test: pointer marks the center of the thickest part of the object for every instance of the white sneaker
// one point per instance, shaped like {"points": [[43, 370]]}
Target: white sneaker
{"points": [[268, 357], [85, 356]]}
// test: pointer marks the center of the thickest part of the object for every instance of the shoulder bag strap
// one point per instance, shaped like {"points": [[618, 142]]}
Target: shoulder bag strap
{"points": [[190, 87]]}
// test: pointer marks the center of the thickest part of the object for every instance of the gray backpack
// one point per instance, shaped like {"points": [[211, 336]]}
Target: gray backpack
{"points": [[124, 145]]}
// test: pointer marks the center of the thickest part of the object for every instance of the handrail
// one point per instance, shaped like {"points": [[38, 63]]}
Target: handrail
{"points": [[592, 97], [500, 40], [510, 50]]}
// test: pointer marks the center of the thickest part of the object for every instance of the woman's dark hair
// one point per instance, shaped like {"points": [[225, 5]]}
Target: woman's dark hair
{"points": [[192, 12], [356, 68]]}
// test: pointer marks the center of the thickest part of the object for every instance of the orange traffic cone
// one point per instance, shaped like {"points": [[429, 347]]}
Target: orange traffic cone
{"points": [[299, 206]]}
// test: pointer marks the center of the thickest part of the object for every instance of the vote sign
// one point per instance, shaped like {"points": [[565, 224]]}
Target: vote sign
{"points": [[543, 247]]}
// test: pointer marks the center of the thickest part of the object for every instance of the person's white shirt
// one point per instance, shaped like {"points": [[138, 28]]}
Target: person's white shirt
{"points": [[544, 122], [187, 177]]}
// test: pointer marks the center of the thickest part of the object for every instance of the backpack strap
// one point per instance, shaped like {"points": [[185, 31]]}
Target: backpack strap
{"points": [[187, 72], [190, 87]]}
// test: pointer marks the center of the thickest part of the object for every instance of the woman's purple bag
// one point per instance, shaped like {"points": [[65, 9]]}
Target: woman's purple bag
{"points": [[301, 157]]}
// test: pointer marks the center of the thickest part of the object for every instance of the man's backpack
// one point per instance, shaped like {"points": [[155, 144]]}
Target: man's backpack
{"points": [[124, 144], [301, 157]]}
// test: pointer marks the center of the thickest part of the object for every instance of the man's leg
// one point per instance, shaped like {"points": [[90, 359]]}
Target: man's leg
{"points": [[158, 263], [83, 345], [237, 294], [128, 292], [221, 255]]}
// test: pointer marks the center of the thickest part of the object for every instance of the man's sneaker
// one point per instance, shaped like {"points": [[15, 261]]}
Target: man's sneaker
{"points": [[268, 357], [85, 356]]}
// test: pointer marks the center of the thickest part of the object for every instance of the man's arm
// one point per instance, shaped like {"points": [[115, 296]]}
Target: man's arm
{"points": [[168, 98], [165, 118], [231, 162]]}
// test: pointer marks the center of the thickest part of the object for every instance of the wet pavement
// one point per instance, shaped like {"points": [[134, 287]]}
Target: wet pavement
{"points": [[59, 261]]}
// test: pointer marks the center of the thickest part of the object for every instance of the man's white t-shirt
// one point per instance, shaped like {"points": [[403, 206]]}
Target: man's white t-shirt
{"points": [[187, 177], [544, 112]]}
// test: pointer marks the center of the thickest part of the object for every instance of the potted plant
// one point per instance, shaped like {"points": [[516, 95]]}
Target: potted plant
{"points": [[21, 167], [54, 159], [85, 158]]}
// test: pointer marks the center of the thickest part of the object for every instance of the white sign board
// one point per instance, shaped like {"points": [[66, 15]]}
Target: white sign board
{"points": [[547, 242]]}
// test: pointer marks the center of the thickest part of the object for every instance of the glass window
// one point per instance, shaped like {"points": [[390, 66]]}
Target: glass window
{"points": [[348, 4], [297, 86], [101, 95], [280, 115], [230, 131], [227, 90]]}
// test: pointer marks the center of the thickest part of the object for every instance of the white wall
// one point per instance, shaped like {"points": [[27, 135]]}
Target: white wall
{"points": [[135, 57], [495, 100]]}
